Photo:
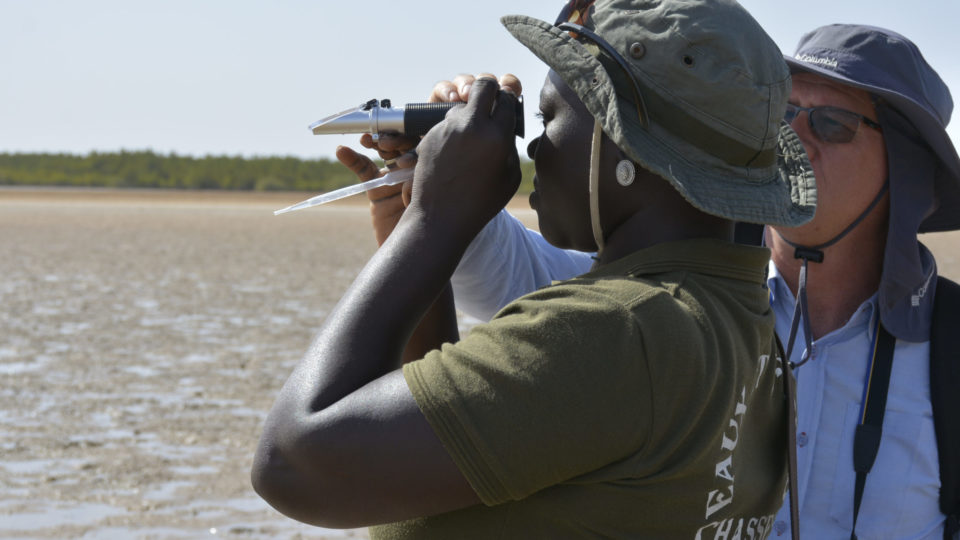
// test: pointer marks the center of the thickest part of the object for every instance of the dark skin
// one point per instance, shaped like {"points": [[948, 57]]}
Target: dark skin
{"points": [[387, 203], [345, 445], [322, 457], [648, 212]]}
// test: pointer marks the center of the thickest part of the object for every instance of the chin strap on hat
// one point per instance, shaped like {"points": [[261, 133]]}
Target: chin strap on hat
{"points": [[815, 254], [595, 186]]}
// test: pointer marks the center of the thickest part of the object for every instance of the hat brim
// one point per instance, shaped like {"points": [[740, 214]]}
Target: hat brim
{"points": [[947, 216], [783, 193]]}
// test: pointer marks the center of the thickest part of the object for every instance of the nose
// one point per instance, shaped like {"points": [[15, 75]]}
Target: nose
{"points": [[801, 124], [532, 148]]}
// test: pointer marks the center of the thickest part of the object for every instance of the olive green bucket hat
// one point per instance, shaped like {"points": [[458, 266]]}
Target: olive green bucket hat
{"points": [[692, 90]]}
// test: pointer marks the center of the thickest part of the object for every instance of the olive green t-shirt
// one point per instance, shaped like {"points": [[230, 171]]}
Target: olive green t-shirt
{"points": [[640, 400]]}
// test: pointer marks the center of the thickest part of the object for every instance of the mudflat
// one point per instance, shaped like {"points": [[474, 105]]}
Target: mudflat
{"points": [[143, 338]]}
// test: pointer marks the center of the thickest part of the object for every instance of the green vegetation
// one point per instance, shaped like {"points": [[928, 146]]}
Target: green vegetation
{"points": [[145, 169]]}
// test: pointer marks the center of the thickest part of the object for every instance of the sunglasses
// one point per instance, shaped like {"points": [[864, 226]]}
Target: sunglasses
{"points": [[831, 124]]}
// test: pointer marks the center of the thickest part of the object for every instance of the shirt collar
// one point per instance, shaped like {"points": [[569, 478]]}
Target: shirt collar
{"points": [[703, 256], [781, 297]]}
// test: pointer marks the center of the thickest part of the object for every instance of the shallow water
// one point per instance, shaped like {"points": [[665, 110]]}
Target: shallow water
{"points": [[144, 336]]}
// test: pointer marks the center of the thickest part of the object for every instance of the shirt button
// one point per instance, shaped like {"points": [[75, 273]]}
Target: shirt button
{"points": [[780, 527], [802, 439]]}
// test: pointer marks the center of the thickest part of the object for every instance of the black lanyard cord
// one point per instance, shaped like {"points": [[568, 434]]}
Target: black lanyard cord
{"points": [[866, 439], [815, 254]]}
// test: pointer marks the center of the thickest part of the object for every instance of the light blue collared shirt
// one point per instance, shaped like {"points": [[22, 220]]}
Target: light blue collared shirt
{"points": [[901, 496]]}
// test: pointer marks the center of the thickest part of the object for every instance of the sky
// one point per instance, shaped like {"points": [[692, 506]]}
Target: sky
{"points": [[243, 77]]}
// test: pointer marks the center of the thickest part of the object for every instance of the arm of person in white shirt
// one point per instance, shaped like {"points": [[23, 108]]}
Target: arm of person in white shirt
{"points": [[505, 261]]}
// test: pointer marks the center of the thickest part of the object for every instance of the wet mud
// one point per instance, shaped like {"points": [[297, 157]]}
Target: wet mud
{"points": [[143, 338]]}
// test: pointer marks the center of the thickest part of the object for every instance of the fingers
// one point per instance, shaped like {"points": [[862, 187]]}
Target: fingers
{"points": [[504, 113], [510, 82], [366, 141], [383, 192], [361, 165], [407, 160], [395, 144], [389, 145], [406, 193], [444, 91], [366, 169], [385, 211], [485, 90], [459, 88], [463, 83], [450, 91]]}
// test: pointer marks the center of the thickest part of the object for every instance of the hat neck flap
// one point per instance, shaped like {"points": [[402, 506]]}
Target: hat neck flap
{"points": [[906, 283]]}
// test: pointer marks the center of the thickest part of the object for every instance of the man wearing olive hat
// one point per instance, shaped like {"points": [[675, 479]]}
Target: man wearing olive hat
{"points": [[644, 399], [872, 114]]}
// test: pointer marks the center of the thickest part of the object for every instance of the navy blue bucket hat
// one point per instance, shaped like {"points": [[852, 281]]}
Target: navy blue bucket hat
{"points": [[891, 67], [914, 108]]}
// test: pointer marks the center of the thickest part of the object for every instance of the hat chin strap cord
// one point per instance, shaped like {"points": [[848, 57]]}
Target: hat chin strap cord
{"points": [[815, 254], [595, 187]]}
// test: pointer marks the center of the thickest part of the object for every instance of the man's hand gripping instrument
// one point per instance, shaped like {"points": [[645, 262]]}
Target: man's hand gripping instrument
{"points": [[379, 117], [376, 118]]}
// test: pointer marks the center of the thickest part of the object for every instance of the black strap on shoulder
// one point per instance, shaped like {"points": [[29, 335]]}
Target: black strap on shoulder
{"points": [[866, 439], [945, 398]]}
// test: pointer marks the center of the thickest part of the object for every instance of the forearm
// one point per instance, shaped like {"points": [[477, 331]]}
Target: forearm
{"points": [[320, 458], [365, 335], [322, 455], [438, 326]]}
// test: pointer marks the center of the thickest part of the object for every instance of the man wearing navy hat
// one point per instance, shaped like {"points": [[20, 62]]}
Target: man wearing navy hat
{"points": [[872, 115]]}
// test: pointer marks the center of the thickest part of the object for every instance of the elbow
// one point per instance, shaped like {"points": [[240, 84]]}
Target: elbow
{"points": [[274, 479], [306, 494], [267, 474]]}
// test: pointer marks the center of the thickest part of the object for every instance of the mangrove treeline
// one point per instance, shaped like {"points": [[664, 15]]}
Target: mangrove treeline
{"points": [[145, 169]]}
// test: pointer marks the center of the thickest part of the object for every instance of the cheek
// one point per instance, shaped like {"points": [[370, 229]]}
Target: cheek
{"points": [[858, 170], [848, 179], [562, 154]]}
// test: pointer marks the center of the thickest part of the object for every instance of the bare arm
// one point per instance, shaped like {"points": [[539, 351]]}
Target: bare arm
{"points": [[439, 324], [345, 444]]}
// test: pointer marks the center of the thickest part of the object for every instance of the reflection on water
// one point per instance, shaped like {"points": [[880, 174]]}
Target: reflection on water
{"points": [[141, 347], [43, 513]]}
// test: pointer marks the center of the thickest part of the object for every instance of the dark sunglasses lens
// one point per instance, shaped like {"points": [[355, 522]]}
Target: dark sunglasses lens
{"points": [[834, 126], [790, 114]]}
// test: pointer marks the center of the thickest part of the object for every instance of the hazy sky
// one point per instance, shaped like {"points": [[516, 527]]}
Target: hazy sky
{"points": [[239, 77]]}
